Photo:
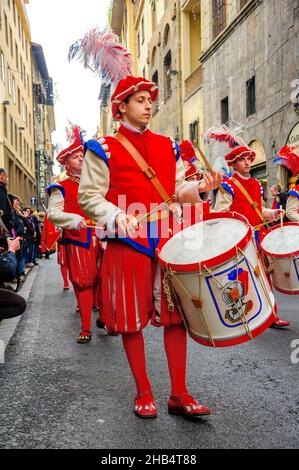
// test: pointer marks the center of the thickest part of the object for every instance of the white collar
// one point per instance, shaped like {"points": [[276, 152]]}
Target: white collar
{"points": [[133, 129], [243, 177]]}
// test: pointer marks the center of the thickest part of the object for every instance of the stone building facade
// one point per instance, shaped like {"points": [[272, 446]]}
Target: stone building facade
{"points": [[250, 60]]}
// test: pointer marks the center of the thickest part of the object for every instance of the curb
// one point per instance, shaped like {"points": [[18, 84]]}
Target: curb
{"points": [[8, 327]]}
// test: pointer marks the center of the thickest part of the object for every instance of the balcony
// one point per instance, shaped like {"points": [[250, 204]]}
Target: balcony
{"points": [[193, 82]]}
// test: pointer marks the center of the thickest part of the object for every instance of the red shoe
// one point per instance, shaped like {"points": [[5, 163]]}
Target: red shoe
{"points": [[77, 309], [278, 323], [66, 287], [185, 405], [145, 406]]}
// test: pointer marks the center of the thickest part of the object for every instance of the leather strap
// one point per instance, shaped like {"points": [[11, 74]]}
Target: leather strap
{"points": [[253, 203], [148, 171]]}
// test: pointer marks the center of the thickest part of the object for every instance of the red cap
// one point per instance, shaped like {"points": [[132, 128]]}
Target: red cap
{"points": [[239, 152], [128, 86], [73, 148]]}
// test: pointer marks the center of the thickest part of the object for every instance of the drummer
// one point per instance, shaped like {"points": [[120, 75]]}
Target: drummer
{"points": [[114, 172], [243, 194], [293, 204]]}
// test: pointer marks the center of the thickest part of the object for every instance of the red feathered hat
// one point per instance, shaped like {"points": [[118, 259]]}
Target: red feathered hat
{"points": [[239, 152], [288, 156], [238, 146], [74, 135], [128, 86]]}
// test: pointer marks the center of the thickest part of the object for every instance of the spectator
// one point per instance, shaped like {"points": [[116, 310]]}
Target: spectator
{"points": [[279, 199], [11, 304], [19, 229], [29, 236], [4, 200]]}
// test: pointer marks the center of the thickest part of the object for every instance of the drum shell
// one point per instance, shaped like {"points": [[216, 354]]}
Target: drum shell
{"points": [[284, 267], [209, 303]]}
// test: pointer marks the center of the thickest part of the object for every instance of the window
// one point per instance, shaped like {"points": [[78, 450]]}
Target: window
{"points": [[155, 77], [21, 144], [166, 36], [142, 30], [11, 42], [154, 15], [193, 131], [250, 97], [30, 129], [17, 56], [14, 90], [2, 67], [14, 11], [19, 101], [9, 80], [167, 68], [11, 130], [5, 121], [219, 17], [16, 137], [6, 28], [8, 3], [224, 111]]}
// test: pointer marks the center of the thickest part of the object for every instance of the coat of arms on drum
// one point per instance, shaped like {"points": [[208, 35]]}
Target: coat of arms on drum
{"points": [[234, 294]]}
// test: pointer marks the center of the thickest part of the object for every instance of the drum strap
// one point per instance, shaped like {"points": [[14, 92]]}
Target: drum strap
{"points": [[253, 203], [148, 171]]}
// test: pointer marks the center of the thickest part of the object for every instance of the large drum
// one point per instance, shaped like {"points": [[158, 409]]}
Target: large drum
{"points": [[281, 247], [212, 272]]}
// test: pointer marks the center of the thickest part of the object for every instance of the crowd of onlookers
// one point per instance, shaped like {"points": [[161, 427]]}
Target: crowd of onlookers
{"points": [[20, 238]]}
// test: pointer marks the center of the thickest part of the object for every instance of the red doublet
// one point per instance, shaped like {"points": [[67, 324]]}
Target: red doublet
{"points": [[128, 271], [240, 204]]}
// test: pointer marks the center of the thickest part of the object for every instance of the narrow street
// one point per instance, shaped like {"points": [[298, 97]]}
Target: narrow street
{"points": [[58, 394]]}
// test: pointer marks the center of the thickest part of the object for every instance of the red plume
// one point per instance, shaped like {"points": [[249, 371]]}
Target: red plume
{"points": [[288, 156], [223, 136], [102, 51]]}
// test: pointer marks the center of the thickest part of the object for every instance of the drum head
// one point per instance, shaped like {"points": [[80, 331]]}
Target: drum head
{"points": [[282, 241], [204, 241]]}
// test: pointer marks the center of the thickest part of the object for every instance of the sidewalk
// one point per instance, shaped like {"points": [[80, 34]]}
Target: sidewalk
{"points": [[8, 327]]}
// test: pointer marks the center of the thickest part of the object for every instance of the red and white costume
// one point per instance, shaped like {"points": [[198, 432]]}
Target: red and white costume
{"points": [[113, 183], [234, 200], [82, 247]]}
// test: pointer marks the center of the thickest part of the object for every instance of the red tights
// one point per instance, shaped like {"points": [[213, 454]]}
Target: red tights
{"points": [[85, 303], [175, 342], [64, 273]]}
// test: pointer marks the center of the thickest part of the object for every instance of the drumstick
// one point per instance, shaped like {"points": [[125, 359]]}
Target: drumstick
{"points": [[281, 217], [208, 164]]}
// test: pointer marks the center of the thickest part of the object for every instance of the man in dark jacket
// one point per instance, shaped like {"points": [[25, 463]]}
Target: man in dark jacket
{"points": [[4, 200], [11, 304]]}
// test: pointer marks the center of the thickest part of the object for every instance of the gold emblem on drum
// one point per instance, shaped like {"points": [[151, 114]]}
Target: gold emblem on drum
{"points": [[234, 294]]}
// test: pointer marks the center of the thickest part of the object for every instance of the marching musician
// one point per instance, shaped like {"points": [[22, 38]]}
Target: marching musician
{"points": [[138, 167], [243, 194], [82, 247]]}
